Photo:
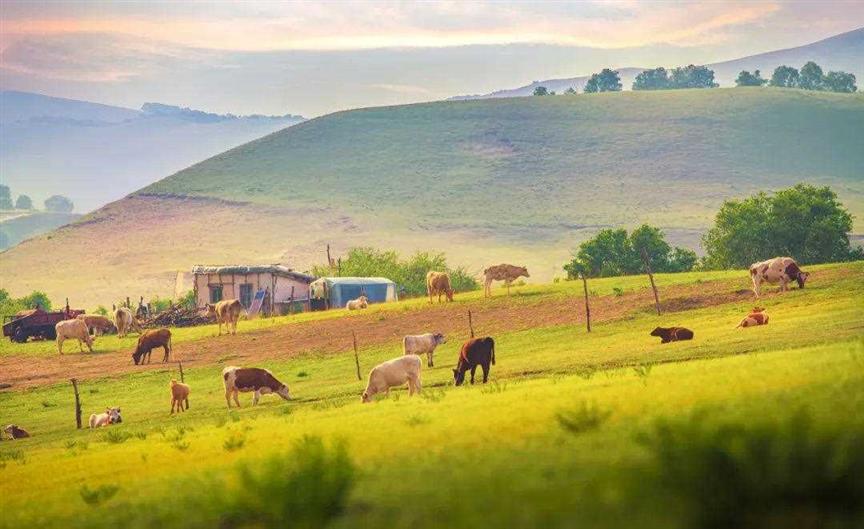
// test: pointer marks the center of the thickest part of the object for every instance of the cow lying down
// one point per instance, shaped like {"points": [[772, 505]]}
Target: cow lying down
{"points": [[111, 416], [14, 432], [757, 316], [672, 334]]}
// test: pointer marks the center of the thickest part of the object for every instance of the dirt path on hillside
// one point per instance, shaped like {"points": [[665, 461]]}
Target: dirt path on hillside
{"points": [[333, 336]]}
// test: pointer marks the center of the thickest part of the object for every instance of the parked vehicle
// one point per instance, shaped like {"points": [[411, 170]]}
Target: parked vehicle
{"points": [[35, 323]]}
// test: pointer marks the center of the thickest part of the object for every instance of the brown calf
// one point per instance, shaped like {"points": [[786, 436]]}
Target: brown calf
{"points": [[179, 395], [438, 283], [149, 340]]}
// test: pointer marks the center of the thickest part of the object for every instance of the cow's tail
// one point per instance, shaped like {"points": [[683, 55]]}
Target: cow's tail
{"points": [[493, 350]]}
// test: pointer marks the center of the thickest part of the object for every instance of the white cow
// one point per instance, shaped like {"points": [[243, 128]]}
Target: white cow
{"points": [[394, 373], [111, 416], [360, 303], [781, 270], [422, 344], [73, 330], [125, 322]]}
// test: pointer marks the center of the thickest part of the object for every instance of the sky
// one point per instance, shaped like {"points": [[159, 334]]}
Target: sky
{"points": [[313, 58]]}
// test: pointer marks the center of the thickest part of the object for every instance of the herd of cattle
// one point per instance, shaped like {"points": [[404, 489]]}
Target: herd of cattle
{"points": [[406, 369]]}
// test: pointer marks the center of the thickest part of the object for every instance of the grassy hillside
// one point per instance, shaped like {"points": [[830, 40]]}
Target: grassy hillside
{"points": [[512, 180], [540, 166], [609, 428]]}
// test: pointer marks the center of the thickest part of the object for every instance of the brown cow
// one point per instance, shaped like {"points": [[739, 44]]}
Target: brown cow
{"points": [[781, 270], [244, 379], [149, 340], [228, 312], [179, 395], [438, 283], [476, 351], [98, 324], [672, 334], [757, 316], [503, 272]]}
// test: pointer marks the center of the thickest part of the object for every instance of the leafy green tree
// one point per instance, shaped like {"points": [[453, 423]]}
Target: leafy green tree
{"points": [[692, 77], [805, 222], [23, 202], [58, 204], [570, 91], [5, 197], [811, 77], [746, 78], [605, 81], [656, 79], [840, 82], [541, 91], [612, 252], [784, 77], [10, 305]]}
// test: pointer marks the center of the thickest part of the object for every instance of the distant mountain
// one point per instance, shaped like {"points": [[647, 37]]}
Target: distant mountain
{"points": [[842, 52], [96, 153], [21, 226]]}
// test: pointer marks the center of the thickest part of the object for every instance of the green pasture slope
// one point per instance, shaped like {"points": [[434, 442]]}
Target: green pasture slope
{"points": [[610, 429], [524, 168]]}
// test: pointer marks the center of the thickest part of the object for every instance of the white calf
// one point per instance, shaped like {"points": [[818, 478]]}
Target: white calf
{"points": [[111, 416], [394, 373], [422, 344], [360, 303], [73, 330]]}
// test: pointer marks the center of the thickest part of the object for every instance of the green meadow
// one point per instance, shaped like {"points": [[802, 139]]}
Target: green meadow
{"points": [[758, 427]]}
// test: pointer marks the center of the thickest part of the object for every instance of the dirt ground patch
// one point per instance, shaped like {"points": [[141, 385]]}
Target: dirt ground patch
{"points": [[333, 336]]}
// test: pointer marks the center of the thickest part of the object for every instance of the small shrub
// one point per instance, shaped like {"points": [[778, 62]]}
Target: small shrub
{"points": [[101, 310], [433, 394], [494, 387], [643, 371], [94, 391], [582, 418], [308, 486], [786, 473], [12, 455], [585, 372], [70, 444], [141, 435], [96, 496], [417, 420], [181, 445], [234, 441], [220, 421], [48, 404], [115, 436], [302, 374], [618, 291]]}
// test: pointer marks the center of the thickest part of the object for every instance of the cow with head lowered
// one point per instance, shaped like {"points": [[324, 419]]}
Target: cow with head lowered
{"points": [[245, 379], [781, 270]]}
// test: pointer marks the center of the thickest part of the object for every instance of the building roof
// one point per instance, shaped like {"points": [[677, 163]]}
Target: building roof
{"points": [[276, 269], [356, 280]]}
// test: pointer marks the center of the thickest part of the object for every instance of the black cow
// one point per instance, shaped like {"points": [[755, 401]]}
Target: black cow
{"points": [[476, 351], [672, 334]]}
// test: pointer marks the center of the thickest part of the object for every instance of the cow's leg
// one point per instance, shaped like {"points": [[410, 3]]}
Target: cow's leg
{"points": [[60, 345], [80, 346], [236, 400], [473, 369], [429, 358], [173, 401], [255, 397], [508, 286], [167, 351], [485, 372], [228, 397], [187, 403], [756, 287]]}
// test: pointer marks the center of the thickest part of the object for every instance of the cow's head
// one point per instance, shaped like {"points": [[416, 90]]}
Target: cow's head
{"points": [[458, 377], [449, 294], [113, 415], [523, 271], [659, 331], [10, 430], [365, 397], [439, 338], [802, 278], [137, 355], [209, 309], [283, 392]]}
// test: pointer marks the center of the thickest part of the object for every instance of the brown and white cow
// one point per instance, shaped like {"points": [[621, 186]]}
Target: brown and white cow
{"points": [[98, 324], [245, 379], [781, 270], [125, 322], [503, 272], [227, 311], [757, 316], [14, 432], [438, 284]]}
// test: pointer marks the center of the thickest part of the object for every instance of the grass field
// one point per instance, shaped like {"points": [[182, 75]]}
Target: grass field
{"points": [[520, 180], [738, 428]]}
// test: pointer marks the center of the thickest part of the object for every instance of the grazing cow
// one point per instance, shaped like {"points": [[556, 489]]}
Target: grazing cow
{"points": [[503, 272], [97, 323], [111, 416], [15, 432], [149, 340], [245, 379], [125, 322], [392, 374], [73, 330], [672, 334], [179, 395], [781, 270], [438, 283], [757, 316], [422, 344], [356, 304], [476, 351]]}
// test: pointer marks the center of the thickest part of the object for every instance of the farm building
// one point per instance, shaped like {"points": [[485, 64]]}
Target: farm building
{"points": [[272, 289], [330, 292]]}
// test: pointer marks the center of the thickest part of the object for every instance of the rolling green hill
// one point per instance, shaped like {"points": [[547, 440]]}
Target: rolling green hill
{"points": [[540, 165], [519, 180]]}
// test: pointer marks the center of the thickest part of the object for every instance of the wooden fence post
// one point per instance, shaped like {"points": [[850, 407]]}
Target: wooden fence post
{"points": [[356, 357], [587, 307], [651, 278], [180, 365], [470, 324], [77, 403]]}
